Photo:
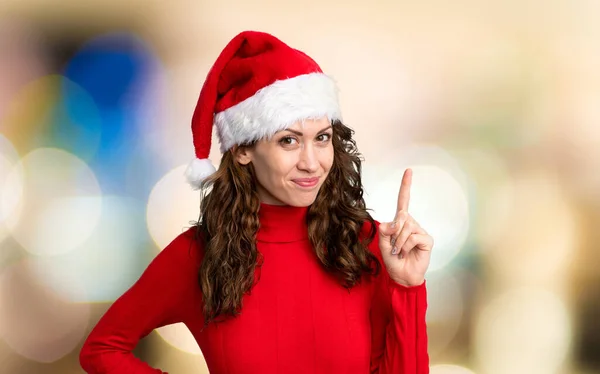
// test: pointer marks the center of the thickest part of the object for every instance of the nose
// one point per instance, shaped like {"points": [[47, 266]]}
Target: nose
{"points": [[309, 160]]}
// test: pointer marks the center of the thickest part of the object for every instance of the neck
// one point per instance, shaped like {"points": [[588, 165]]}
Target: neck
{"points": [[282, 223]]}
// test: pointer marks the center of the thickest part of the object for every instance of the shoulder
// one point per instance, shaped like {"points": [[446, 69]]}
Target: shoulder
{"points": [[368, 226], [170, 278]]}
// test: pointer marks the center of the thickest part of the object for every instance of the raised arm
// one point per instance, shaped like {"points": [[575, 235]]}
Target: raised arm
{"points": [[400, 297]]}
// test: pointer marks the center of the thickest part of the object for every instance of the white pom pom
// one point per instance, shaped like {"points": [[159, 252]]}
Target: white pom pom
{"points": [[198, 170]]}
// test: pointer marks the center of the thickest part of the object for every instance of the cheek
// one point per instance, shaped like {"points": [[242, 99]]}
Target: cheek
{"points": [[327, 158], [271, 170]]}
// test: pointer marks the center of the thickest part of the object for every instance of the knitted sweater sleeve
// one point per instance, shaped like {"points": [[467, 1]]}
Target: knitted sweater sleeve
{"points": [[153, 301], [398, 327]]}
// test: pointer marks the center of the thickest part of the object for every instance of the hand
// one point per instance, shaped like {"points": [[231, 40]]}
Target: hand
{"points": [[405, 246]]}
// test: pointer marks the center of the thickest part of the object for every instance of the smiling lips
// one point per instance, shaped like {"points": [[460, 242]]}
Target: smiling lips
{"points": [[306, 182]]}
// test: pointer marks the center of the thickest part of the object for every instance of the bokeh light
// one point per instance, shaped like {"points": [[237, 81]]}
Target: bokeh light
{"points": [[180, 337], [124, 105], [575, 145], [76, 125], [107, 263], [439, 198], [23, 60], [495, 81], [10, 193], [65, 116], [444, 312], [493, 104], [35, 322], [539, 232], [170, 140], [493, 193], [449, 369], [523, 331], [172, 205], [61, 202], [29, 113]]}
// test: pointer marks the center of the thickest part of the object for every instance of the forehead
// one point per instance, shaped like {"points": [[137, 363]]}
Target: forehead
{"points": [[310, 125]]}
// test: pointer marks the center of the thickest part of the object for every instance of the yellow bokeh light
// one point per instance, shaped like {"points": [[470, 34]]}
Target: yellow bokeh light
{"points": [[538, 234], [523, 331], [450, 369], [30, 109], [180, 337]]}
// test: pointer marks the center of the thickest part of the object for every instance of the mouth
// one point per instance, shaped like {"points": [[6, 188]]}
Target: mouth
{"points": [[306, 182]]}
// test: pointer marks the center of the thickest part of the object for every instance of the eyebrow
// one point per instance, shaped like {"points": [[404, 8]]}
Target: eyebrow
{"points": [[300, 134]]}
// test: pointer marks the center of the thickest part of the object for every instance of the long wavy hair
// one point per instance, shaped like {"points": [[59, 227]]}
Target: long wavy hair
{"points": [[228, 223]]}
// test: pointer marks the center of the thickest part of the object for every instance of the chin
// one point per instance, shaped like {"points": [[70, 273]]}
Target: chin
{"points": [[301, 201]]}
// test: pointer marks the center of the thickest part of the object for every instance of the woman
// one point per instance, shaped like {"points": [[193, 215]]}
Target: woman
{"points": [[285, 272]]}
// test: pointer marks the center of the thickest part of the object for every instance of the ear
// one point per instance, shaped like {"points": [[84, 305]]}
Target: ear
{"points": [[243, 155]]}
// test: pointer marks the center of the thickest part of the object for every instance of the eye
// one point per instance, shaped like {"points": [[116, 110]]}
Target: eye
{"points": [[287, 140], [324, 137]]}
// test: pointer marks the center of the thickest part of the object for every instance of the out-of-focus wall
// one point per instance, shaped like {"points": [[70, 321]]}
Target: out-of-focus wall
{"points": [[494, 104]]}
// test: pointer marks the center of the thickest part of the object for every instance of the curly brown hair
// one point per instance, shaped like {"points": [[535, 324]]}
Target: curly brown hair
{"points": [[228, 223]]}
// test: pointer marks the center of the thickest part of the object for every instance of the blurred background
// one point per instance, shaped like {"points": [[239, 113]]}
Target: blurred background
{"points": [[495, 105]]}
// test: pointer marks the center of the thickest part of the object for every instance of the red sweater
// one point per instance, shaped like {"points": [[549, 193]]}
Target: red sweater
{"points": [[297, 319]]}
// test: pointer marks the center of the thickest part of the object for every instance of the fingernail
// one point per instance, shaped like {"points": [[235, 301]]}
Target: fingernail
{"points": [[393, 224], [394, 250]]}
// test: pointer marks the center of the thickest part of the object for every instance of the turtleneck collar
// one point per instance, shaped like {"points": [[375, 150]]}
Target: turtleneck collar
{"points": [[282, 223]]}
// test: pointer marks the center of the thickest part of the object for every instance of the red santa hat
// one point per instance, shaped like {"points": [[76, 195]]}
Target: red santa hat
{"points": [[257, 87]]}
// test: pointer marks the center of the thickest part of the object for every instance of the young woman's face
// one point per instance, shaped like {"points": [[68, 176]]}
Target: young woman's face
{"points": [[292, 166]]}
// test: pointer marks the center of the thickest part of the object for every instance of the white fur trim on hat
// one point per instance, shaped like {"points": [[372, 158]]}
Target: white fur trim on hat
{"points": [[197, 171], [276, 107]]}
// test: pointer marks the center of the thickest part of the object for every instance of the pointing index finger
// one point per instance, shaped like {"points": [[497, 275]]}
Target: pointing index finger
{"points": [[404, 193]]}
